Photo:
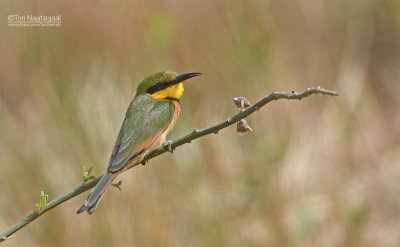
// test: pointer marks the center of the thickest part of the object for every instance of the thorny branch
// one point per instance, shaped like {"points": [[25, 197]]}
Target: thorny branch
{"points": [[179, 142]]}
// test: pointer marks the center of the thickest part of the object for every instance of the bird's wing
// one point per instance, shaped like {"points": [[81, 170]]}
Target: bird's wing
{"points": [[145, 118]]}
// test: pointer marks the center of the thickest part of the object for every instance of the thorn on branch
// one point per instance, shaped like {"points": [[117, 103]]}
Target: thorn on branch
{"points": [[42, 202], [86, 174], [118, 185]]}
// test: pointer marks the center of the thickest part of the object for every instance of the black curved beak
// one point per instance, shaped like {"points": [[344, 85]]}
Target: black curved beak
{"points": [[184, 77]]}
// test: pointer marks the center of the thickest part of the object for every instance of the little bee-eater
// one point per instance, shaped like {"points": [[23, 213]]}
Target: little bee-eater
{"points": [[151, 115]]}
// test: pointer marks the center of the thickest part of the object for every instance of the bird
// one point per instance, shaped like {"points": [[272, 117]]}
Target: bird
{"points": [[152, 113]]}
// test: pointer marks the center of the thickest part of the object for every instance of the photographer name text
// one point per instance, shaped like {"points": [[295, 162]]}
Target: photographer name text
{"points": [[34, 20]]}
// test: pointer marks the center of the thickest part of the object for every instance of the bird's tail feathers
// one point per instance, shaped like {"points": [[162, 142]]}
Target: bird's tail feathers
{"points": [[94, 197]]}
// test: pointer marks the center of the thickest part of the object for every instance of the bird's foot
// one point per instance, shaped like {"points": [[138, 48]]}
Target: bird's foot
{"points": [[144, 161], [168, 145]]}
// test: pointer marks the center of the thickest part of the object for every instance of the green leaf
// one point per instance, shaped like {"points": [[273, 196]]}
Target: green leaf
{"points": [[86, 174], [9, 237], [42, 202], [118, 185]]}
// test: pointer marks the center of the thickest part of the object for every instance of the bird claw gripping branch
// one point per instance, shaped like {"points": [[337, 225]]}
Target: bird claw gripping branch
{"points": [[168, 146]]}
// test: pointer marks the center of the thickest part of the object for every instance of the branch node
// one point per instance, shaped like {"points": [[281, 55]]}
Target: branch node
{"points": [[195, 130]]}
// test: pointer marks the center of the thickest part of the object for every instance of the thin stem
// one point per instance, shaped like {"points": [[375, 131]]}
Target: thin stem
{"points": [[179, 142]]}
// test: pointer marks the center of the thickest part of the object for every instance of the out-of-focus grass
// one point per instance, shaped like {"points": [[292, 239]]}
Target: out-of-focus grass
{"points": [[319, 172]]}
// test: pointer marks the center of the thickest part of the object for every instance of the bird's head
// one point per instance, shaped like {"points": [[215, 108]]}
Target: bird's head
{"points": [[164, 84]]}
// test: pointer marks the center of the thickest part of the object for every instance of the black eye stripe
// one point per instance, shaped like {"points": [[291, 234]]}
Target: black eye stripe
{"points": [[159, 86]]}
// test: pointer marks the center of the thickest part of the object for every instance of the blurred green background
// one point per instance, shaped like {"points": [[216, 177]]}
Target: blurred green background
{"points": [[324, 171]]}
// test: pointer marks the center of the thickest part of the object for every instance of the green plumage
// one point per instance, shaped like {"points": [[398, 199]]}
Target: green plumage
{"points": [[145, 117], [163, 76], [148, 119]]}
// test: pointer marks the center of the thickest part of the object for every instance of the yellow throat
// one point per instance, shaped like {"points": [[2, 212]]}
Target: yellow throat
{"points": [[174, 91]]}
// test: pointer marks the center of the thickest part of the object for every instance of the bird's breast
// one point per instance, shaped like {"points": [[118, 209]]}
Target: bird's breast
{"points": [[167, 129]]}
